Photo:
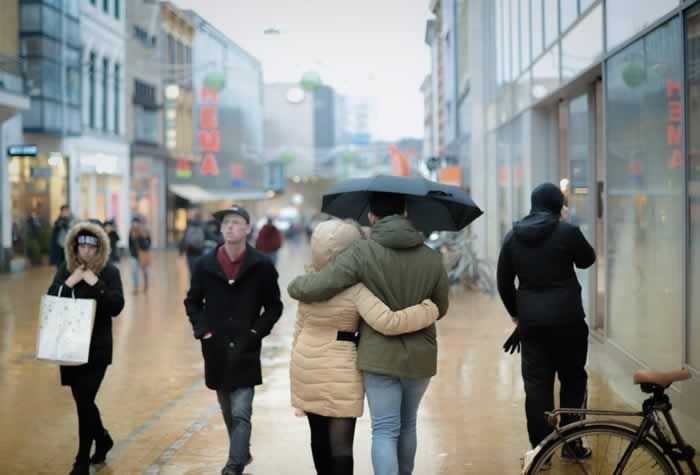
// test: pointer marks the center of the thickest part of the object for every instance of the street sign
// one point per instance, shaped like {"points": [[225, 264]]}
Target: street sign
{"points": [[43, 172], [22, 150]]}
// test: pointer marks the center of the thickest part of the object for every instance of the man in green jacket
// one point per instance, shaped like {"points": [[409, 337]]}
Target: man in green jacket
{"points": [[399, 269]]}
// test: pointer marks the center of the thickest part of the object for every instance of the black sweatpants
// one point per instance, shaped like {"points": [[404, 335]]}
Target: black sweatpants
{"points": [[546, 352], [90, 427], [331, 444]]}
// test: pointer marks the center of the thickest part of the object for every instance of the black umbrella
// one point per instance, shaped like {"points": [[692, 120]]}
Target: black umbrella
{"points": [[431, 206]]}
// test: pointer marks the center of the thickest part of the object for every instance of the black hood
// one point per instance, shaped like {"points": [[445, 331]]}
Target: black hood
{"points": [[535, 227], [547, 197]]}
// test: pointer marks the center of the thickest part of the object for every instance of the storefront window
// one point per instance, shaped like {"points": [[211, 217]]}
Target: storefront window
{"points": [[693, 133], [623, 22], [505, 190], [38, 188], [645, 198]]}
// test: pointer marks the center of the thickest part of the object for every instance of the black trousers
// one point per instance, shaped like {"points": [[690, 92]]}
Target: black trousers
{"points": [[331, 444], [90, 426], [546, 352]]}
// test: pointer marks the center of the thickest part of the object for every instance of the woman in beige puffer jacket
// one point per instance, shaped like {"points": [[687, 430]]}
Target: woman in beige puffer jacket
{"points": [[325, 382]]}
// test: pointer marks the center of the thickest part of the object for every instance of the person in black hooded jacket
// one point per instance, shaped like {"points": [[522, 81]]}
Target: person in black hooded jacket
{"points": [[541, 251], [87, 274]]}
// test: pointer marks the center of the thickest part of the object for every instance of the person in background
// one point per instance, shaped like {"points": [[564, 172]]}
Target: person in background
{"points": [[139, 249], [88, 274], [193, 240], [542, 252], [58, 236], [269, 240], [111, 230], [212, 235]]}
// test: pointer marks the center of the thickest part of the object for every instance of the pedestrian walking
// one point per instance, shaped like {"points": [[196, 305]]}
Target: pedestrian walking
{"points": [[193, 240], [140, 252], [233, 303], [541, 251], [88, 274], [401, 271], [325, 382], [111, 229], [58, 237], [269, 240]]}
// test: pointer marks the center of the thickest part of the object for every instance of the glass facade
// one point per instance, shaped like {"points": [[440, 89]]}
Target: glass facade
{"points": [[50, 33], [693, 134], [623, 22], [645, 196], [38, 188], [583, 45]]}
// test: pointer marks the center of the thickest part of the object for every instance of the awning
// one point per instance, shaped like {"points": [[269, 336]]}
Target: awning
{"points": [[197, 194]]}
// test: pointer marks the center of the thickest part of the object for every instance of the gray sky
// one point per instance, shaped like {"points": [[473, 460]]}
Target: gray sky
{"points": [[371, 48]]}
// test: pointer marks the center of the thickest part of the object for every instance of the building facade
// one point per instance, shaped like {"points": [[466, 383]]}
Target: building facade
{"points": [[49, 39], [228, 117], [14, 100], [145, 117], [601, 99], [99, 168], [175, 46]]}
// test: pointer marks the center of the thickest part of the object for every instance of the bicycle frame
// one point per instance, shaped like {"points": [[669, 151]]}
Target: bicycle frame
{"points": [[648, 430]]}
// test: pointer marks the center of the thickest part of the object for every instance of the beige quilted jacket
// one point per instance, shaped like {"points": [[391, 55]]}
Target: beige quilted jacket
{"points": [[323, 371]]}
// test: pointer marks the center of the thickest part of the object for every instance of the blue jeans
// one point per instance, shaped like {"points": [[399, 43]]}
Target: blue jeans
{"points": [[393, 405], [135, 271], [237, 409]]}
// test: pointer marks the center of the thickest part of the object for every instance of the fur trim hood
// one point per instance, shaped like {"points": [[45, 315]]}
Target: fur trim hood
{"points": [[71, 247]]}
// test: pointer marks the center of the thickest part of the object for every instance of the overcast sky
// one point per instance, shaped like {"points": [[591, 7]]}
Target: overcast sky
{"points": [[371, 48]]}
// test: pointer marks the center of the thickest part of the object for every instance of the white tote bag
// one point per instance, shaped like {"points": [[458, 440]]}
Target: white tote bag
{"points": [[65, 329]]}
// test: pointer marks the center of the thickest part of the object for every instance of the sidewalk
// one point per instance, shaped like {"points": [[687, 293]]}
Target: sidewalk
{"points": [[164, 420]]}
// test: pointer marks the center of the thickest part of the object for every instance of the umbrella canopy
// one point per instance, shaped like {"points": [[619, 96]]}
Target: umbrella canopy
{"points": [[430, 206]]}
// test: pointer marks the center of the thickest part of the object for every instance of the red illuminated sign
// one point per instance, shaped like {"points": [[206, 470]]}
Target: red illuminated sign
{"points": [[674, 130], [209, 136]]}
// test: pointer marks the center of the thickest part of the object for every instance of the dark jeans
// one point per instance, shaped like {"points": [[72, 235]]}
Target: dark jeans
{"points": [[90, 426], [331, 444], [237, 409], [546, 352]]}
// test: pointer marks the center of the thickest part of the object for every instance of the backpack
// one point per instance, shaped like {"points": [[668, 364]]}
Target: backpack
{"points": [[194, 238]]}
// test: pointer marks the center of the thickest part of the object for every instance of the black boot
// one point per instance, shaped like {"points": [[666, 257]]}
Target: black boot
{"points": [[80, 468], [103, 444]]}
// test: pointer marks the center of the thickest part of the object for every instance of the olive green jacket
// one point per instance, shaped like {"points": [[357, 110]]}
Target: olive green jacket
{"points": [[402, 271]]}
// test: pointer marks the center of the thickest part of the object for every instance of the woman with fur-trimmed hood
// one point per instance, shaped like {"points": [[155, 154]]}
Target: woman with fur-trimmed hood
{"points": [[88, 274]]}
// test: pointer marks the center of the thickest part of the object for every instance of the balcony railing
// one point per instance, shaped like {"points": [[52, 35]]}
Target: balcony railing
{"points": [[12, 75]]}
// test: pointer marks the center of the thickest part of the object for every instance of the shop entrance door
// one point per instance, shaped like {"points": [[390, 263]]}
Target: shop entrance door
{"points": [[584, 151]]}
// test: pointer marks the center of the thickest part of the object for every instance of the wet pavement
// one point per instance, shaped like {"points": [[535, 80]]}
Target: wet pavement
{"points": [[164, 420]]}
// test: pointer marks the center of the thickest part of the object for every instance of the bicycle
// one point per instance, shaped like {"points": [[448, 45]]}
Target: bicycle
{"points": [[614, 446], [463, 266]]}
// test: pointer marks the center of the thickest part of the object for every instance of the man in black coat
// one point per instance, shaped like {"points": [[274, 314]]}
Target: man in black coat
{"points": [[233, 303], [541, 251]]}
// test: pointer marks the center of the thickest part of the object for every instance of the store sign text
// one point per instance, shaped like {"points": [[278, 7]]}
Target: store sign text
{"points": [[209, 136], [674, 130]]}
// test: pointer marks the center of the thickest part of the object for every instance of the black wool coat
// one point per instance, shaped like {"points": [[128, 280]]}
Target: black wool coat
{"points": [[238, 314]]}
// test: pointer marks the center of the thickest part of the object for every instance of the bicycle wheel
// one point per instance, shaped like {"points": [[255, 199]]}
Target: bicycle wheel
{"points": [[607, 444]]}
